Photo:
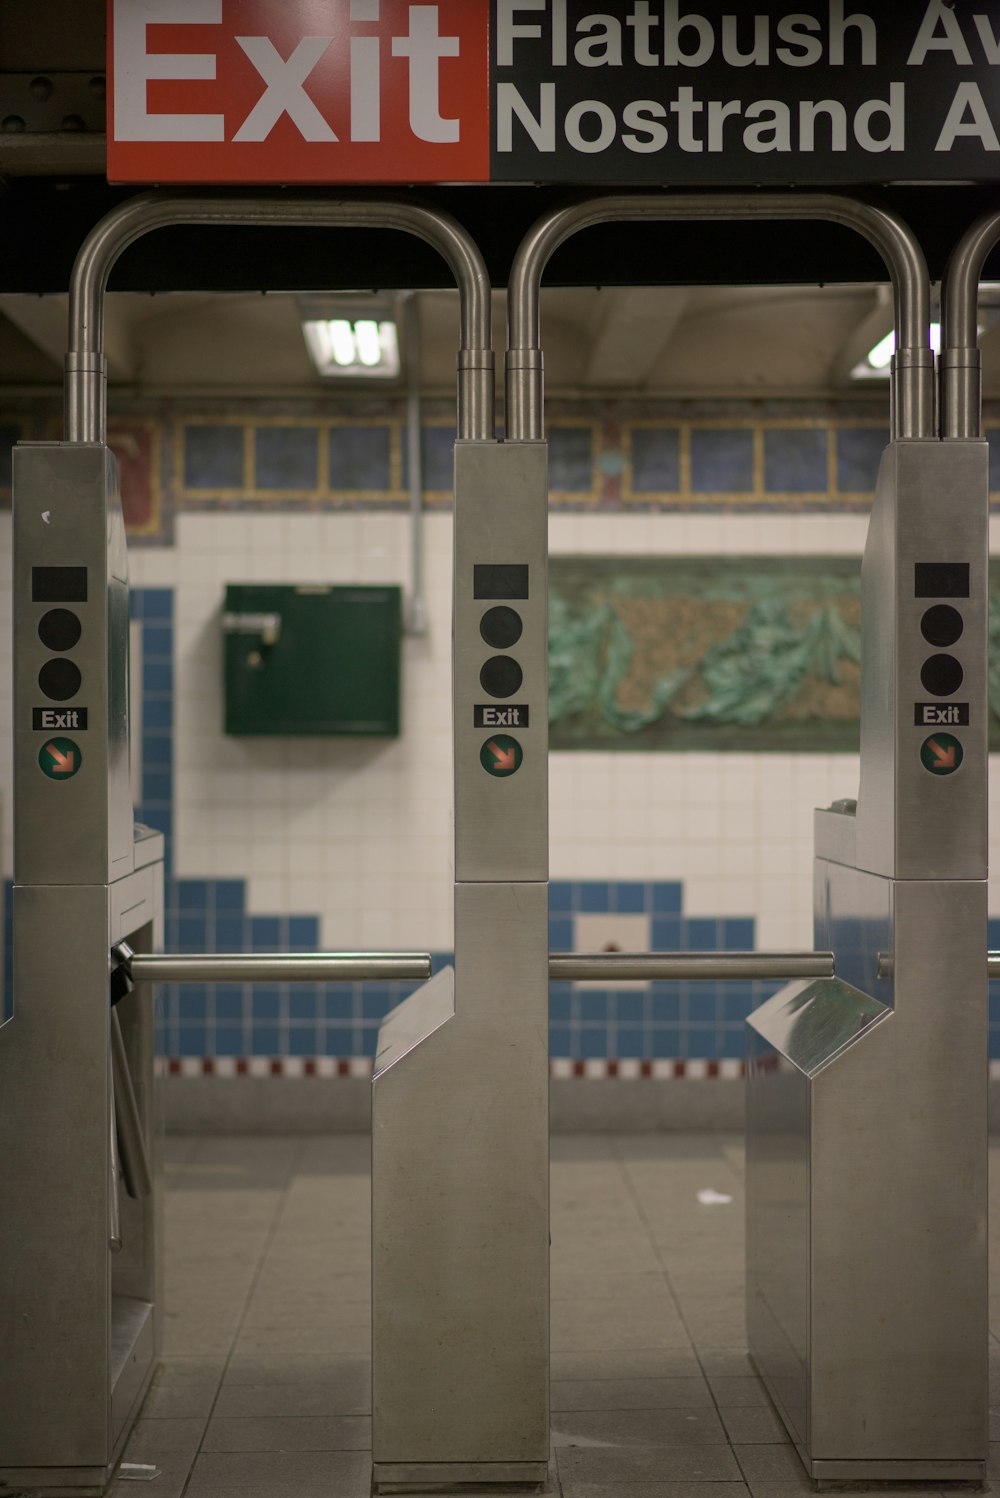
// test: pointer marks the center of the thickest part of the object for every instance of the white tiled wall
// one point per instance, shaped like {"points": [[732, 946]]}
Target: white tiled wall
{"points": [[360, 830]]}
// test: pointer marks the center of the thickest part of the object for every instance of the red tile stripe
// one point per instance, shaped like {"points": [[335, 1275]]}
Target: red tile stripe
{"points": [[560, 1068]]}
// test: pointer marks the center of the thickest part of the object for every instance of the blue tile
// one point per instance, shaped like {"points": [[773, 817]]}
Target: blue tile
{"points": [[722, 460], [437, 454], [337, 1003], [737, 1001], [192, 1002], [560, 935], [303, 933], [629, 1043], [593, 896], [365, 1040], [859, 452], [157, 603], [664, 1042], [157, 642], [375, 1003], [228, 1003], [665, 933], [230, 933], [265, 932], [559, 1006], [629, 1008], [335, 1040], [230, 894], [795, 460], [302, 1004], [192, 895], [157, 676], [593, 1005], [656, 460], [157, 713], [994, 1050], [561, 1041], [9, 434], [265, 1004], [359, 458], [571, 459], [157, 752], [732, 1042], [702, 1003], [560, 896], [737, 934], [265, 1040], [700, 934], [286, 458], [701, 1043], [191, 1040], [592, 1042], [667, 898], [629, 898], [192, 933], [665, 1002], [229, 1040], [302, 1040], [213, 457], [156, 786]]}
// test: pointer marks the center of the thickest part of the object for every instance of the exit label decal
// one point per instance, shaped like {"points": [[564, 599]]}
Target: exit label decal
{"points": [[930, 714]]}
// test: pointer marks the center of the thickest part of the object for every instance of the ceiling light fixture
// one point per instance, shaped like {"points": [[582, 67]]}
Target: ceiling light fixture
{"points": [[344, 345]]}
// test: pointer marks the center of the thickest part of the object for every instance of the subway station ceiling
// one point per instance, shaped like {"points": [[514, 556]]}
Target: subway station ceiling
{"points": [[665, 309]]}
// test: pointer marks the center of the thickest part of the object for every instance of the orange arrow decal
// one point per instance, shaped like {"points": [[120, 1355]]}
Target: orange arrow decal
{"points": [[505, 758], [944, 759], [63, 764]]}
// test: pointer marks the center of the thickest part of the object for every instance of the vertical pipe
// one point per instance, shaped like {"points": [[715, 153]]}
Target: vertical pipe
{"points": [[416, 623], [961, 364]]}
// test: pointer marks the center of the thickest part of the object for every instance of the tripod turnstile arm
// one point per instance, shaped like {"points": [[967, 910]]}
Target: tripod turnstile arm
{"points": [[616, 966], [131, 1136], [280, 967]]}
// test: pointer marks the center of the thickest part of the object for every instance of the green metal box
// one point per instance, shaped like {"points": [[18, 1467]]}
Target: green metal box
{"points": [[311, 659]]}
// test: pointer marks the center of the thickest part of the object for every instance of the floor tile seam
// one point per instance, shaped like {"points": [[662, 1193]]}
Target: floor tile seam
{"points": [[615, 1146], [265, 1246]]}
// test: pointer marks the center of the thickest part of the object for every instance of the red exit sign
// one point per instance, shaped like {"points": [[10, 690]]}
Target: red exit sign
{"points": [[302, 91]]}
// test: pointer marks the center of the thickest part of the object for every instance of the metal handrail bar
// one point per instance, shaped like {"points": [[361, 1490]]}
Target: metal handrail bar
{"points": [[279, 967], [85, 407], [961, 363], [913, 364], [613, 967]]}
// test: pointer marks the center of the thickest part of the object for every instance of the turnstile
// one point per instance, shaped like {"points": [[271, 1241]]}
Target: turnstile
{"points": [[867, 1123], [79, 1320]]}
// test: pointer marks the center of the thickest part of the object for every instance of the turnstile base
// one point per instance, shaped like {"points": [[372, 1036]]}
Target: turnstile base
{"points": [[56, 1482], [402, 1477], [924, 1472]]}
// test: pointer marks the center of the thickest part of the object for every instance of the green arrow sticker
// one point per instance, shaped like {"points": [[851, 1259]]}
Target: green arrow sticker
{"points": [[941, 754], [60, 759], [501, 755]]}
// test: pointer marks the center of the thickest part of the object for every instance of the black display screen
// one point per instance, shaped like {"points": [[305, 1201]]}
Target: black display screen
{"points": [[59, 585], [500, 580], [941, 579]]}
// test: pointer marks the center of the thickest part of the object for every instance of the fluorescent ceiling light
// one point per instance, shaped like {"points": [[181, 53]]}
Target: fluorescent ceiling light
{"points": [[875, 364], [343, 345]]}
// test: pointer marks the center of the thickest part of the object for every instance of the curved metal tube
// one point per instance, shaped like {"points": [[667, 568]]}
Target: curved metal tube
{"points": [[913, 369], [85, 366], [961, 377]]}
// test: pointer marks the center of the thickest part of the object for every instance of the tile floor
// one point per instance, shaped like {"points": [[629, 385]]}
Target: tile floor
{"points": [[264, 1384]]}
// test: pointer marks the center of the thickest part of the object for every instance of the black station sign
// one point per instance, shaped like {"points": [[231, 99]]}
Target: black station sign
{"points": [[655, 92]]}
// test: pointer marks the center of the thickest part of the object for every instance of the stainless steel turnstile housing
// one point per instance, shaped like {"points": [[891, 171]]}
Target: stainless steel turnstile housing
{"points": [[79, 1325], [867, 1125]]}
